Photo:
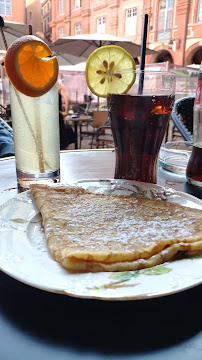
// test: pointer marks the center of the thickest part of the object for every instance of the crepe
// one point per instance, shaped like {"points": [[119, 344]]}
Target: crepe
{"points": [[105, 232]]}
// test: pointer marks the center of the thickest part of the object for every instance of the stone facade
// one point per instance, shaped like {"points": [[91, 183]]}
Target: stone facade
{"points": [[33, 15], [46, 13], [23, 11], [174, 29], [180, 42], [184, 44], [97, 16], [14, 11]]}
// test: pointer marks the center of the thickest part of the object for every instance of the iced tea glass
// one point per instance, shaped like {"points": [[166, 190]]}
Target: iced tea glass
{"points": [[35, 122], [139, 120]]}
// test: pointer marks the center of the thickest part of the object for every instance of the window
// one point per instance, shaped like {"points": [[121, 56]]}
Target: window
{"points": [[199, 13], [77, 4], [131, 21], [164, 20], [44, 27], [61, 32], [5, 7], [101, 25], [30, 15], [61, 7], [78, 29], [48, 6]]}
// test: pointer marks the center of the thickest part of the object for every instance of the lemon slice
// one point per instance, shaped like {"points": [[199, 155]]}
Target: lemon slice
{"points": [[110, 69]]}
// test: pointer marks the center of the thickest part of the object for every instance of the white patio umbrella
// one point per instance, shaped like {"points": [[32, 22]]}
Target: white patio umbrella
{"points": [[13, 31], [84, 45]]}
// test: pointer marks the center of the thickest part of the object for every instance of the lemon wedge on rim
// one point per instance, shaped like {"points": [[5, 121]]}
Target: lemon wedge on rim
{"points": [[108, 71]]}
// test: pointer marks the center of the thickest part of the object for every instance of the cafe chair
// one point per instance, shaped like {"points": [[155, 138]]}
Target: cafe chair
{"points": [[182, 116], [87, 100], [104, 137], [78, 108], [99, 119]]}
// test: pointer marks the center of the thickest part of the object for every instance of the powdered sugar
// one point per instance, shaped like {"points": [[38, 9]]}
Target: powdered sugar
{"points": [[118, 224]]}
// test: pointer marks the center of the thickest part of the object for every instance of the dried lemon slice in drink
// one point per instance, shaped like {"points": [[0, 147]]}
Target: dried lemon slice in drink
{"points": [[110, 69]]}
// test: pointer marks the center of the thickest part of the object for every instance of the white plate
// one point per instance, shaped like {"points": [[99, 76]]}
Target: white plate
{"points": [[24, 255]]}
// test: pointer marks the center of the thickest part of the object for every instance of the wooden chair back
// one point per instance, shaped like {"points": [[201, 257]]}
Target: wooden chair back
{"points": [[99, 118]]}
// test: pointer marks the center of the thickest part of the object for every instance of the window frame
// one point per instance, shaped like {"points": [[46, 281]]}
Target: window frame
{"points": [[77, 6], [199, 11], [61, 7], [63, 30], [5, 4], [77, 32], [165, 18], [132, 17], [101, 24]]}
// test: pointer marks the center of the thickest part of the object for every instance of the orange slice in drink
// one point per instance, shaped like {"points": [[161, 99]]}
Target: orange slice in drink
{"points": [[28, 68], [110, 69]]}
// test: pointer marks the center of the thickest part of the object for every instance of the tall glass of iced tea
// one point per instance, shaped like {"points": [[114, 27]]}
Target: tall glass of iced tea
{"points": [[139, 120]]}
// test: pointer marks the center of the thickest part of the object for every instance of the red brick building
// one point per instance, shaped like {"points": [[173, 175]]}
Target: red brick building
{"points": [[46, 13], [175, 26], [22, 11], [13, 10], [115, 17], [175, 30], [33, 15]]}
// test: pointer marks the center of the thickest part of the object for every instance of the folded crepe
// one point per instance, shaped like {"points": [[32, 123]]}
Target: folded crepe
{"points": [[105, 232]]}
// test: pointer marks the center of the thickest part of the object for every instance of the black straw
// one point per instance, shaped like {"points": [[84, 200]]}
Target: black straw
{"points": [[143, 51]]}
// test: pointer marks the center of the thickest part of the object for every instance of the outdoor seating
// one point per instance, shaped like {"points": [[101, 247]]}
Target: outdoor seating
{"points": [[87, 100], [182, 116], [99, 119], [104, 137]]}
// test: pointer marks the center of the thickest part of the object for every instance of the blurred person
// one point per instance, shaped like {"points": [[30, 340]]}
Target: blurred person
{"points": [[67, 135]]}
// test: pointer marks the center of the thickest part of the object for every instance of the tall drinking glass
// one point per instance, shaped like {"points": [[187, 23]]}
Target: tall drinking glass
{"points": [[36, 136], [139, 120]]}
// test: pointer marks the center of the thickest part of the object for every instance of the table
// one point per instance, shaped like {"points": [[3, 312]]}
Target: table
{"points": [[35, 324], [75, 121]]}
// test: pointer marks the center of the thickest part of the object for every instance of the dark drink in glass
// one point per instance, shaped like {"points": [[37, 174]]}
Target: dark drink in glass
{"points": [[139, 123], [194, 167]]}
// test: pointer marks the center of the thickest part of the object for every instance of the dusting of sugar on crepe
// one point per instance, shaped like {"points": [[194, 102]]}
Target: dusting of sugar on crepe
{"points": [[83, 228]]}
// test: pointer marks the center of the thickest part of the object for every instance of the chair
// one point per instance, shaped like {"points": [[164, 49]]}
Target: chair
{"points": [[87, 100], [182, 116], [104, 137], [99, 119]]}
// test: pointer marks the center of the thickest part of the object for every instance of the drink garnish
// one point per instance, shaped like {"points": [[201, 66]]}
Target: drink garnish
{"points": [[28, 68], [107, 71]]}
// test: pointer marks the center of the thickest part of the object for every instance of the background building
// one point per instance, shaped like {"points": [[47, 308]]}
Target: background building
{"points": [[46, 13], [120, 18], [175, 30], [175, 26], [33, 15], [23, 11], [13, 10]]}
